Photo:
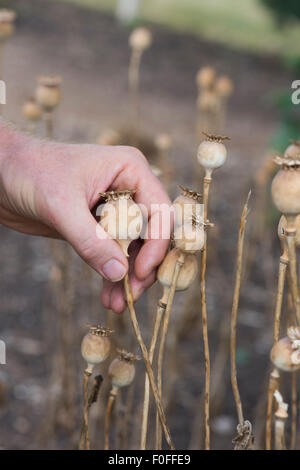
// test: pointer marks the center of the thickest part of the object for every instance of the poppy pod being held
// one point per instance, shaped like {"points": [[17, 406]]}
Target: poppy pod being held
{"points": [[7, 27], [121, 217], [48, 93], [95, 346], [212, 152]]}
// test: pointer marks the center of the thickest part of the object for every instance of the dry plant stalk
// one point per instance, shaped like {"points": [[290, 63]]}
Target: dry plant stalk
{"points": [[294, 411], [281, 416], [147, 362], [165, 326], [243, 425], [159, 315], [206, 185], [274, 376], [111, 399], [93, 396]]}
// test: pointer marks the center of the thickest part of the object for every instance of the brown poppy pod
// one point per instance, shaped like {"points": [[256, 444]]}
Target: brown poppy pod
{"points": [[95, 346], [187, 273], [48, 93], [122, 369], [212, 152], [286, 188], [284, 357]]}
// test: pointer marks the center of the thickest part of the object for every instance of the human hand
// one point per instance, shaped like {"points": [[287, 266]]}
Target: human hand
{"points": [[50, 189]]}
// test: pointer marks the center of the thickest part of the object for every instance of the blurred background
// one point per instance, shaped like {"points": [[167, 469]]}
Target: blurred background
{"points": [[47, 298]]}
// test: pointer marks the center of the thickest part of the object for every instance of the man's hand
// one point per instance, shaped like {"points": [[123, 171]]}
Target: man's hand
{"points": [[50, 189]]}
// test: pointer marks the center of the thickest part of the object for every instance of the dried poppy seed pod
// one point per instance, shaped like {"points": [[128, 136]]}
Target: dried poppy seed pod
{"points": [[7, 27], [48, 93], [284, 357], [95, 346], [205, 77], [121, 217], [187, 273], [293, 150], [187, 207], [32, 110], [212, 152], [282, 229], [140, 39], [286, 187], [190, 237], [122, 369], [224, 86]]}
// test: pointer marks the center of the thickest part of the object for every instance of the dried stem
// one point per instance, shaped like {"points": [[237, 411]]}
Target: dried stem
{"points": [[86, 408], [273, 385], [274, 376], [234, 312], [149, 370], [281, 416], [159, 314], [92, 399], [206, 185], [165, 325], [294, 411], [111, 399]]}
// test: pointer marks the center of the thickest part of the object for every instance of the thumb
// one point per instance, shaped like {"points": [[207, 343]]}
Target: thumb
{"points": [[94, 245]]}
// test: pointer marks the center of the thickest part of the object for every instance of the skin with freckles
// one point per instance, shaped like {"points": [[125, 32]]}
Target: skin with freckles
{"points": [[50, 189]]}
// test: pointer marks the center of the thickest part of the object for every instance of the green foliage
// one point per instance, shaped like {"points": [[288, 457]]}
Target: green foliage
{"points": [[284, 10]]}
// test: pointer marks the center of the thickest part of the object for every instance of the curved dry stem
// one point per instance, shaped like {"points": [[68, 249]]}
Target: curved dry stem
{"points": [[165, 327], [92, 399], [234, 312], [148, 366], [110, 402], [159, 314]]}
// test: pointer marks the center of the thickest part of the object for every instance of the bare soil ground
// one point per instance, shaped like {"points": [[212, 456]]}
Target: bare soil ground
{"points": [[90, 51]]}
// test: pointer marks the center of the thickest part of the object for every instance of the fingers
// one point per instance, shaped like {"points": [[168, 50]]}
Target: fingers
{"points": [[92, 243]]}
